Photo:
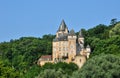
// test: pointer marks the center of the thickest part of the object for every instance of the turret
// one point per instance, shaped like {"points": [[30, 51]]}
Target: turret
{"points": [[88, 50], [81, 39]]}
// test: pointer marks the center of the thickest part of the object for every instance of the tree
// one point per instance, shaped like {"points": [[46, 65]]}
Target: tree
{"points": [[107, 46], [7, 71], [113, 21], [52, 73], [23, 53], [115, 31], [33, 71], [67, 68], [97, 31], [48, 37], [101, 66]]}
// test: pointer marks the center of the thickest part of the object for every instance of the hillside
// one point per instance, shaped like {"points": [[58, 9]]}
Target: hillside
{"points": [[18, 58]]}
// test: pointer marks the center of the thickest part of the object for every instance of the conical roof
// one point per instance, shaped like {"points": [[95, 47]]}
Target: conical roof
{"points": [[80, 34], [72, 32], [62, 26], [88, 46]]}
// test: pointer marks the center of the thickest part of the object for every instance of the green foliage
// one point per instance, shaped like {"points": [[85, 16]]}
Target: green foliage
{"points": [[50, 70], [115, 31], [58, 70], [102, 66], [99, 31], [52, 73], [23, 53], [113, 21], [7, 71], [68, 68], [48, 37], [32, 72], [108, 46]]}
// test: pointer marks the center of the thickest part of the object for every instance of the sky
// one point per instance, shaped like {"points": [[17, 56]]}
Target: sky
{"points": [[35, 18]]}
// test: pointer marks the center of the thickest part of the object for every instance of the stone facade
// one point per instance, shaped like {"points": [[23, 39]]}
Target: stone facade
{"points": [[67, 47]]}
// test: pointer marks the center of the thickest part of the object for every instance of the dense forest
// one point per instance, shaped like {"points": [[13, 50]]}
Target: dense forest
{"points": [[18, 58]]}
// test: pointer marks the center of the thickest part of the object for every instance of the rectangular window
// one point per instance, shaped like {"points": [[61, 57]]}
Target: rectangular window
{"points": [[63, 48], [59, 48]]}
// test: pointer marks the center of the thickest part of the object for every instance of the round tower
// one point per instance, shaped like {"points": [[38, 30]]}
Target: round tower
{"points": [[81, 40], [88, 50]]}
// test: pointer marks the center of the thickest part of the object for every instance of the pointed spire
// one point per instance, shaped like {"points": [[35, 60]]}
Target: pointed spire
{"points": [[62, 26], [80, 34], [72, 32]]}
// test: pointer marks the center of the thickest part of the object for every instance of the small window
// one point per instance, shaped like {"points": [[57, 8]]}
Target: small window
{"points": [[80, 60], [59, 49], [71, 46]]}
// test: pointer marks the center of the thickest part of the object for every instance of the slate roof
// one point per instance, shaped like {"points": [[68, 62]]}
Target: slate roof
{"points": [[62, 26], [72, 33], [80, 34], [61, 38]]}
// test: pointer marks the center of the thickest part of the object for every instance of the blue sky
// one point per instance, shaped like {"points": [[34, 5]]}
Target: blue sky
{"points": [[23, 18]]}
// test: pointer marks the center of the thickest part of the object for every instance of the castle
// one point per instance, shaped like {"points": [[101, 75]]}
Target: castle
{"points": [[67, 47]]}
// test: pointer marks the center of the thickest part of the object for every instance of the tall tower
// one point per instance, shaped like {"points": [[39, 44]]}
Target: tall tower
{"points": [[81, 40], [59, 47], [72, 45]]}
